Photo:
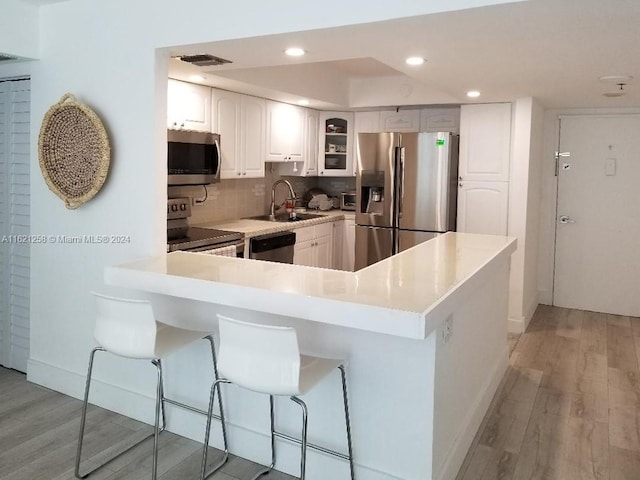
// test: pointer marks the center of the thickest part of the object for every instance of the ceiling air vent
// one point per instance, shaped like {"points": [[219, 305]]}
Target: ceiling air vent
{"points": [[6, 58], [204, 60]]}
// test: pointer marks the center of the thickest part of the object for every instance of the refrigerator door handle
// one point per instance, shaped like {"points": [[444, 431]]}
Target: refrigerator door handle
{"points": [[401, 151]]}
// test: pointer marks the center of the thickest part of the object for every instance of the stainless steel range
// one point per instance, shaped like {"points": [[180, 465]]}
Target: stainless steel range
{"points": [[180, 236]]}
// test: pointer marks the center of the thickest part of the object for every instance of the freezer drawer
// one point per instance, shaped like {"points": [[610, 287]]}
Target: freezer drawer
{"points": [[372, 245]]}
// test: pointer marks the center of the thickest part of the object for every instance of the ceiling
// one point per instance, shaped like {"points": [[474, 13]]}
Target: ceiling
{"points": [[554, 50], [40, 3]]}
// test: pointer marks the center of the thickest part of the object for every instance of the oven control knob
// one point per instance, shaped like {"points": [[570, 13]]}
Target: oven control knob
{"points": [[174, 208], [183, 206]]}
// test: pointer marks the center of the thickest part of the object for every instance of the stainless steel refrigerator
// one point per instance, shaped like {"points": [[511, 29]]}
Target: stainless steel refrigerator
{"points": [[407, 191]]}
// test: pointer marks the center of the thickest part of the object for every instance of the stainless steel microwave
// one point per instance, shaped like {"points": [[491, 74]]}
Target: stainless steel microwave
{"points": [[193, 158]]}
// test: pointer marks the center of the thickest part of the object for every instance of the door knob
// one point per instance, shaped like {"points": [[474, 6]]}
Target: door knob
{"points": [[566, 219]]}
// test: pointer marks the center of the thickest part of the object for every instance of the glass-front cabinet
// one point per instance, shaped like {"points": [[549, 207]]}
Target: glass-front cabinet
{"points": [[335, 157]]}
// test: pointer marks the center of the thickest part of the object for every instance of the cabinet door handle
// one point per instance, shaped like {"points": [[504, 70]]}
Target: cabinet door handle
{"points": [[238, 173], [244, 173], [460, 177], [460, 184]]}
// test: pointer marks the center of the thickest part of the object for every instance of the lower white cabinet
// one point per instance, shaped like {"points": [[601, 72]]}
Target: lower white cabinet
{"points": [[349, 245], [344, 244], [483, 207], [314, 246]]}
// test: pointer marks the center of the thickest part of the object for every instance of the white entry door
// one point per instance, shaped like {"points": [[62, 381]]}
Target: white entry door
{"points": [[597, 264], [15, 101]]}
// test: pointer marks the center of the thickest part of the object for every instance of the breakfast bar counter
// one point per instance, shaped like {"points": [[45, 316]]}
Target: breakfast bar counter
{"points": [[424, 333], [401, 295]]}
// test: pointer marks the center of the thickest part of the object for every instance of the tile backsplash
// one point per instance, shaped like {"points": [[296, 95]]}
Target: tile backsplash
{"points": [[225, 200], [238, 198]]}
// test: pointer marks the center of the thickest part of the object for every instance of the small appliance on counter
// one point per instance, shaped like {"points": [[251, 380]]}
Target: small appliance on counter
{"points": [[348, 201], [180, 236]]}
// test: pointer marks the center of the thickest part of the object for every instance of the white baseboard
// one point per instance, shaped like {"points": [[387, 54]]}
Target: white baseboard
{"points": [[472, 422], [519, 324], [243, 441], [515, 325]]}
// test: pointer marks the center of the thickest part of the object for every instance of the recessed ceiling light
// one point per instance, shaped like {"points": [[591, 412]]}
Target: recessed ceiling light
{"points": [[295, 51], [617, 79], [197, 78], [473, 94], [414, 61], [303, 101]]}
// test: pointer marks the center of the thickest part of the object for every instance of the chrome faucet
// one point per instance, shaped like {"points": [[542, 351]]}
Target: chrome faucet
{"points": [[272, 208]]}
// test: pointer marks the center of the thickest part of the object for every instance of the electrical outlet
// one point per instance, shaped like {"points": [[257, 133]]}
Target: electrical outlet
{"points": [[447, 329]]}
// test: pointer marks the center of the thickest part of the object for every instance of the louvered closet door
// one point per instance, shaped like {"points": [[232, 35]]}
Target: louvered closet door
{"points": [[14, 223]]}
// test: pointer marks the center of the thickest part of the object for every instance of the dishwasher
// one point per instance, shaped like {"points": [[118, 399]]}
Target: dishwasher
{"points": [[273, 247]]}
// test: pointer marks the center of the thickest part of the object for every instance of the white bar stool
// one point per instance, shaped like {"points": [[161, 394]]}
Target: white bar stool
{"points": [[267, 359], [129, 329]]}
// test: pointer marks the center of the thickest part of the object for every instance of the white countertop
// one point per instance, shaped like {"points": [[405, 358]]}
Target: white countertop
{"points": [[396, 296], [252, 228]]}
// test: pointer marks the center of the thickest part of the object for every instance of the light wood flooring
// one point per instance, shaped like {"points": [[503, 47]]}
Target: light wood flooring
{"points": [[569, 408], [38, 440]]}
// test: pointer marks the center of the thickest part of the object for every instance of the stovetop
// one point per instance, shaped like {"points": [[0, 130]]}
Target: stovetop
{"points": [[196, 237]]}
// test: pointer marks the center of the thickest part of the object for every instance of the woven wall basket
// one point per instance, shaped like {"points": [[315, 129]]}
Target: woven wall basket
{"points": [[74, 151]]}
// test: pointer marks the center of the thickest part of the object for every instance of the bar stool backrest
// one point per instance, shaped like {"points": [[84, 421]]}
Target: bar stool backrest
{"points": [[125, 327], [262, 358]]}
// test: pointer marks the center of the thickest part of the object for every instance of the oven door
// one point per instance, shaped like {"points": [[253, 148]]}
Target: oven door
{"points": [[193, 158]]}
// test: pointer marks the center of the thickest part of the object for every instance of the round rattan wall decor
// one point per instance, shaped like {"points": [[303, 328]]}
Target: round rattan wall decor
{"points": [[74, 151]]}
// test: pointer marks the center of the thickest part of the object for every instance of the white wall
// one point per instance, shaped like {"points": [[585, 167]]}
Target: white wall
{"points": [[524, 195], [549, 194], [19, 29]]}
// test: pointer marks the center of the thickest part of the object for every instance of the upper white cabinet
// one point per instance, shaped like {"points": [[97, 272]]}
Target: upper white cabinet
{"points": [[367, 122], [285, 132], [240, 121], [335, 156], [188, 106], [441, 119], [401, 121], [482, 207], [309, 166], [485, 142]]}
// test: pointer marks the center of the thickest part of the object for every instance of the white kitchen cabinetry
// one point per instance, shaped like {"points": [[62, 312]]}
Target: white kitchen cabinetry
{"points": [[285, 132], [313, 246], [335, 158], [308, 167], [445, 119], [338, 243], [188, 106], [483, 207], [349, 245], [483, 174], [344, 241], [485, 142], [401, 121], [240, 121], [367, 122]]}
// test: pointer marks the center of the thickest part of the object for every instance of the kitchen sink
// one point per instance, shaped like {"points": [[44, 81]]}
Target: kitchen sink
{"points": [[284, 217]]}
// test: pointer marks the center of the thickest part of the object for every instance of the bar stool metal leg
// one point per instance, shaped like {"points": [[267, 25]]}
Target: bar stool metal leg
{"points": [[203, 471], [156, 427], [84, 411], [84, 418], [347, 419], [303, 438]]}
